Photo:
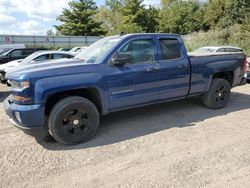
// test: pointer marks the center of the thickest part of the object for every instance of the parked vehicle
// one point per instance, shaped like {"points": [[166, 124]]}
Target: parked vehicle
{"points": [[119, 72], [39, 56], [212, 49], [75, 49], [7, 47], [19, 53], [64, 49], [82, 49]]}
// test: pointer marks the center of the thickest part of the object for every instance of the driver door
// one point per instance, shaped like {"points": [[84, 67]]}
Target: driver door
{"points": [[134, 83]]}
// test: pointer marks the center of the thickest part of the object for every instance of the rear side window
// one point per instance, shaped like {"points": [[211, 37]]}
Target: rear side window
{"points": [[58, 56], [67, 56], [27, 51], [43, 57], [222, 50], [233, 50], [169, 49]]}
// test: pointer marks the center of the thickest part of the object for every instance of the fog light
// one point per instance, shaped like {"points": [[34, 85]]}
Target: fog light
{"points": [[18, 116]]}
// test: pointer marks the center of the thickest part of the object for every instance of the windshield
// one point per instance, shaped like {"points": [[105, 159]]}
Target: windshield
{"points": [[3, 53], [96, 51], [30, 57]]}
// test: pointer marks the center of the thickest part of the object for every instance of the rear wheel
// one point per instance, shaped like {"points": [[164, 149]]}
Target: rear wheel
{"points": [[73, 120], [218, 95]]}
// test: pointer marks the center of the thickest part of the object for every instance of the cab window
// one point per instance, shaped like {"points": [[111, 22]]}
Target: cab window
{"points": [[140, 50], [169, 49]]}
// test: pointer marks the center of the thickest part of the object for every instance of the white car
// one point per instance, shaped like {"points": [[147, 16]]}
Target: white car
{"points": [[212, 49], [36, 57], [77, 50], [7, 47]]}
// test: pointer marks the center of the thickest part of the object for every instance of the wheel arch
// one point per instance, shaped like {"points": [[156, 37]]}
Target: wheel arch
{"points": [[227, 75], [91, 94]]}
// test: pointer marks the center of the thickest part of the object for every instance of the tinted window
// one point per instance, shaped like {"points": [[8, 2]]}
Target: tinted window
{"points": [[221, 50], [16, 53], [67, 56], [169, 49], [27, 51], [58, 56], [42, 58], [233, 50], [140, 50]]}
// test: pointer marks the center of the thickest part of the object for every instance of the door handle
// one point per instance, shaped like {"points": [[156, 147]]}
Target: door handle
{"points": [[185, 66], [152, 69]]}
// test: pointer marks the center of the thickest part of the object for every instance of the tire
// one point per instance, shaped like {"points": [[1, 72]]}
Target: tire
{"points": [[218, 95], [73, 120]]}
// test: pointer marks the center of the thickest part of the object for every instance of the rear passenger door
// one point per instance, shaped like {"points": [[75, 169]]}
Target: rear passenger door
{"points": [[174, 72]]}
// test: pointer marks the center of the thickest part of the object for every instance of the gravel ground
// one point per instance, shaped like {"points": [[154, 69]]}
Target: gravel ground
{"points": [[176, 144]]}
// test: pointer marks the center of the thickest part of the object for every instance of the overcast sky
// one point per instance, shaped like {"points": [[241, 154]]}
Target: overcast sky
{"points": [[35, 17]]}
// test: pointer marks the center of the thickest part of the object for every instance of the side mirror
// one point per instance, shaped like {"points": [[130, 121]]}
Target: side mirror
{"points": [[120, 59]]}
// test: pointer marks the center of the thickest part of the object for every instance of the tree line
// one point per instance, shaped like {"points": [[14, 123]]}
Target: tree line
{"points": [[83, 17]]}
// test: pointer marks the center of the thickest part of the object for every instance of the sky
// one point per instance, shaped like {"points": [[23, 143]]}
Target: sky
{"points": [[35, 17]]}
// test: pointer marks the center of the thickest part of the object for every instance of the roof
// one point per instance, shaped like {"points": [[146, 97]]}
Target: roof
{"points": [[150, 34]]}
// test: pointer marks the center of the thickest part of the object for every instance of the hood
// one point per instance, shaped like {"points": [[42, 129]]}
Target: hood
{"points": [[47, 69], [10, 64]]}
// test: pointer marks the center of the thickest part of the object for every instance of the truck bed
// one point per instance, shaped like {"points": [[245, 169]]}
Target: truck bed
{"points": [[204, 64]]}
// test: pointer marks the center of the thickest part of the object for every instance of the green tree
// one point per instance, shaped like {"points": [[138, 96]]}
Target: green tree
{"points": [[235, 12], [78, 19], [111, 11], [152, 20], [224, 13], [136, 17], [214, 11], [133, 16], [181, 17]]}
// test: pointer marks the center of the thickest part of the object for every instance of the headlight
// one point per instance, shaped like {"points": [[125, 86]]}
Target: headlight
{"points": [[16, 85]]}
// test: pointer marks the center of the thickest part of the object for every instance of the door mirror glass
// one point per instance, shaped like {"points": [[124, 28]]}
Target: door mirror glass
{"points": [[120, 59]]}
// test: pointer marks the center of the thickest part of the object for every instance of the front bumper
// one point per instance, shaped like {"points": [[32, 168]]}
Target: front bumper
{"points": [[29, 118]]}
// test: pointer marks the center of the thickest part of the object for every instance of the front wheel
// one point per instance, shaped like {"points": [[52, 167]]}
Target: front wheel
{"points": [[73, 120], [218, 95]]}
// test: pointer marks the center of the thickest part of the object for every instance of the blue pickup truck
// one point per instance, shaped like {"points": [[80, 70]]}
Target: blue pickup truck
{"points": [[67, 99]]}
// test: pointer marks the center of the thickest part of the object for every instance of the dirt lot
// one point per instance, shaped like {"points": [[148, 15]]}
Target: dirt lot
{"points": [[177, 144]]}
